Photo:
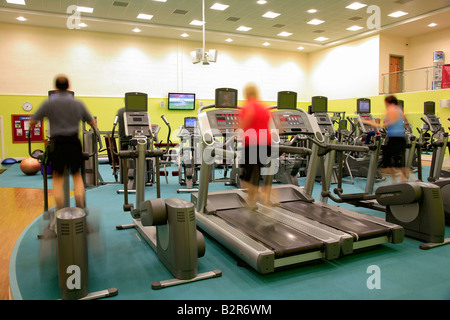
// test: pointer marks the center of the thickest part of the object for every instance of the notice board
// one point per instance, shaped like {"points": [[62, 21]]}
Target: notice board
{"points": [[21, 129]]}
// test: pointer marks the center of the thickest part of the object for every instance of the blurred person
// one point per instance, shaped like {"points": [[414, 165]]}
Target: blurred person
{"points": [[393, 162], [254, 121], [64, 114]]}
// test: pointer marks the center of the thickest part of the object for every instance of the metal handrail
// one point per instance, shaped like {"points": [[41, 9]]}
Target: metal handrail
{"points": [[403, 71]]}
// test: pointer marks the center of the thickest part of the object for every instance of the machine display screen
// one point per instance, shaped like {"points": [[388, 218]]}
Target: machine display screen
{"points": [[53, 93], [319, 104], [287, 100], [135, 101], [429, 107], [190, 122], [181, 101], [363, 106], [226, 98]]}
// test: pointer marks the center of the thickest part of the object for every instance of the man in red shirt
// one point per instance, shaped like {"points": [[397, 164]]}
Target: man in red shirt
{"points": [[256, 140]]}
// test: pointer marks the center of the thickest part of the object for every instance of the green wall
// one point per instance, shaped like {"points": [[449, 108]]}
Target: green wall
{"points": [[105, 109]]}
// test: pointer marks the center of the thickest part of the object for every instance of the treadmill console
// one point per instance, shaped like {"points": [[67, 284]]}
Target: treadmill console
{"points": [[218, 121], [293, 122], [137, 124], [325, 123]]}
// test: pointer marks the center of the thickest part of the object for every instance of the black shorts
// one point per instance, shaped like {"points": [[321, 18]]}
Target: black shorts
{"points": [[254, 158], [394, 153], [65, 152]]}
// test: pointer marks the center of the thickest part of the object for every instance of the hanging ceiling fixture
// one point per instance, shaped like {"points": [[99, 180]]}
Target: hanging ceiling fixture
{"points": [[200, 54]]}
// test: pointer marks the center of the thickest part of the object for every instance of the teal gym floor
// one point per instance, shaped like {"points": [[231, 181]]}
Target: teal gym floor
{"points": [[120, 259]]}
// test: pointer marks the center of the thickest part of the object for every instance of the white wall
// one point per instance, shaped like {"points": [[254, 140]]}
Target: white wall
{"points": [[347, 71], [421, 48], [101, 64], [391, 45]]}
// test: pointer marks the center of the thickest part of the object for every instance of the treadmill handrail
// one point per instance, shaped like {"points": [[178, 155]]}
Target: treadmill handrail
{"points": [[213, 106], [340, 147]]}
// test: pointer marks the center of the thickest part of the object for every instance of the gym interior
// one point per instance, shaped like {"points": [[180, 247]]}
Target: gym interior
{"points": [[156, 222]]}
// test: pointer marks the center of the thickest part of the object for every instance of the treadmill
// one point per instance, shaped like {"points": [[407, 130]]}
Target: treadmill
{"points": [[266, 241], [297, 203]]}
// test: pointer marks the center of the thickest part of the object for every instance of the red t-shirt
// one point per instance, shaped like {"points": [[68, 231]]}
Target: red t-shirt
{"points": [[256, 132]]}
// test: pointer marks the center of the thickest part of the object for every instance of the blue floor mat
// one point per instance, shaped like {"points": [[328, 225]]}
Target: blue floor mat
{"points": [[119, 259]]}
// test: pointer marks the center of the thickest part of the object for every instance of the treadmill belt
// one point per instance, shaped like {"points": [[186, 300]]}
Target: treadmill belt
{"points": [[282, 239], [363, 228]]}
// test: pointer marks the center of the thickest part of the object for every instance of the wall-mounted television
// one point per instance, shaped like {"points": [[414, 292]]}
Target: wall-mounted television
{"points": [[226, 98], [182, 101], [136, 101], [287, 100]]}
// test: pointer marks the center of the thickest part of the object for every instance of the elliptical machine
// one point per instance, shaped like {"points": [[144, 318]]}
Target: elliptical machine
{"points": [[168, 226], [69, 227]]}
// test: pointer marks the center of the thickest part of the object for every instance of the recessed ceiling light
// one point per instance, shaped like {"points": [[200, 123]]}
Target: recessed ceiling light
{"points": [[196, 23], [137, 30], [432, 25], [219, 6], [229, 40], [312, 11], [300, 48], [145, 16], [266, 44], [321, 39], [356, 6], [85, 9], [184, 35], [315, 22], [21, 18], [242, 28], [354, 28], [270, 14], [82, 25], [261, 2], [285, 34], [22, 2], [397, 14]]}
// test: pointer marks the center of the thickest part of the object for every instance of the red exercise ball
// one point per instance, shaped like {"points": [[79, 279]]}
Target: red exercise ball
{"points": [[30, 166]]}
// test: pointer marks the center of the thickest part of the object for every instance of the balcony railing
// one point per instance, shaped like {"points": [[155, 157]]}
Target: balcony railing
{"points": [[418, 79]]}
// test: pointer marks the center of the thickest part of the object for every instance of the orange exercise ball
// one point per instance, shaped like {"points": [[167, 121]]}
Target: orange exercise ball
{"points": [[30, 166]]}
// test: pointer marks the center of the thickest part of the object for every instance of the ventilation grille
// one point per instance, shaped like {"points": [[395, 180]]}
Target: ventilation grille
{"points": [[319, 31], [234, 19], [181, 217], [355, 18], [435, 194], [402, 1], [120, 4], [179, 11], [64, 229], [192, 216], [79, 227], [278, 25]]}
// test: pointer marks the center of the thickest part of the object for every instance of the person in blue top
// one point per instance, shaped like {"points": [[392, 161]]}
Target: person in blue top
{"points": [[393, 162]]}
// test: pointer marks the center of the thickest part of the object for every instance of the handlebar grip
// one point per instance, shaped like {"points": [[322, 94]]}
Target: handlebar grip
{"points": [[165, 120], [116, 120]]}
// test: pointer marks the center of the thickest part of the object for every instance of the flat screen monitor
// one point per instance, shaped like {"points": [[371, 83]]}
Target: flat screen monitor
{"points": [[363, 106], [181, 101], [226, 98], [53, 93], [319, 105], [136, 101], [401, 104], [287, 100], [429, 107], [190, 123]]}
